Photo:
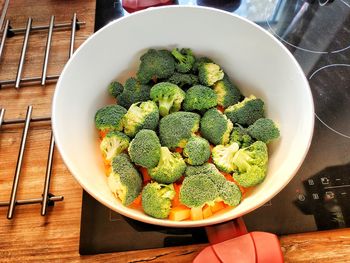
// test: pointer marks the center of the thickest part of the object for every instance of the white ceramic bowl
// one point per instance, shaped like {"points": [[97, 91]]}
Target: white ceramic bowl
{"points": [[257, 62]]}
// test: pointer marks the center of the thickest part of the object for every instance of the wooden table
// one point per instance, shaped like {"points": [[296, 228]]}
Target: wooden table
{"points": [[55, 237]]}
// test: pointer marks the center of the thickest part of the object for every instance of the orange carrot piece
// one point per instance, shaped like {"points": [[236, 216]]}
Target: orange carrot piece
{"points": [[196, 213], [217, 207], [220, 108], [179, 213], [178, 150], [207, 211], [145, 175], [103, 133], [176, 200], [137, 203]]}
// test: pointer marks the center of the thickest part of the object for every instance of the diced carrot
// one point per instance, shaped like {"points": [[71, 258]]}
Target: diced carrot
{"points": [[178, 150], [196, 213], [176, 200], [137, 202], [207, 211], [108, 169], [145, 175], [103, 133], [220, 108], [217, 207], [228, 176], [179, 213]]}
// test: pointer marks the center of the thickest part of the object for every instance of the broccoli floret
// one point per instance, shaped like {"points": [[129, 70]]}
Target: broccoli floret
{"points": [[223, 156], [184, 59], [113, 144], [199, 97], [228, 94], [264, 130], [144, 149], [169, 97], [241, 136], [110, 118], [133, 92], [229, 192], [200, 61], [143, 115], [207, 168], [177, 128], [251, 164], [115, 89], [247, 111], [155, 64], [215, 127], [170, 168], [124, 180], [183, 80], [198, 190], [197, 151], [209, 73], [156, 199]]}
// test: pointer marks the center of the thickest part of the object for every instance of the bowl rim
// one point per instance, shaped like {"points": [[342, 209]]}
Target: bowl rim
{"points": [[211, 220]]}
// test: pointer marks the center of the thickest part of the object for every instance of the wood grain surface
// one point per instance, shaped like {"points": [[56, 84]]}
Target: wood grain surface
{"points": [[29, 237]]}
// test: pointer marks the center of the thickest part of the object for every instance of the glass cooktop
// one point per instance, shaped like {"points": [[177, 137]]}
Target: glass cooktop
{"points": [[317, 32]]}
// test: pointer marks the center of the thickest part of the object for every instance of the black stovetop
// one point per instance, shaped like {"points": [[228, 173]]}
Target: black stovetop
{"points": [[317, 32]]}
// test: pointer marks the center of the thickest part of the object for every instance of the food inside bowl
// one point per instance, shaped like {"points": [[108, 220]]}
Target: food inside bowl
{"points": [[182, 142]]}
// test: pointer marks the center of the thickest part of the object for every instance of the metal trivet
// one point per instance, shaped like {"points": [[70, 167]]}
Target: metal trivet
{"points": [[47, 198]]}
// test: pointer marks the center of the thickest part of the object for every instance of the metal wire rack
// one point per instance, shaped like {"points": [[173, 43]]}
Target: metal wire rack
{"points": [[47, 199]]}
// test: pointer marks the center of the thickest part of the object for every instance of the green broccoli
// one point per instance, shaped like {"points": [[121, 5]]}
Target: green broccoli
{"points": [[196, 191], [183, 80], [124, 180], [144, 149], [169, 96], [113, 144], [251, 164], [155, 65], [170, 168], [228, 94], [241, 136], [223, 157], [207, 169], [199, 98], [228, 191], [144, 115], [200, 61], [110, 118], [156, 199], [184, 59], [215, 127], [177, 128], [133, 92], [209, 73], [196, 151], [115, 89], [264, 130], [246, 112]]}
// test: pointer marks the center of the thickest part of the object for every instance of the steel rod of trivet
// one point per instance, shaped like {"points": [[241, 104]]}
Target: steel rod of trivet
{"points": [[72, 35], [47, 51], [2, 114], [34, 200], [19, 164], [23, 53], [4, 35], [48, 176], [38, 28], [16, 121], [28, 80]]}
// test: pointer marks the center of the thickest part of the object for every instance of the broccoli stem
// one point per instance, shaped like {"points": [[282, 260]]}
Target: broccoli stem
{"points": [[164, 106]]}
